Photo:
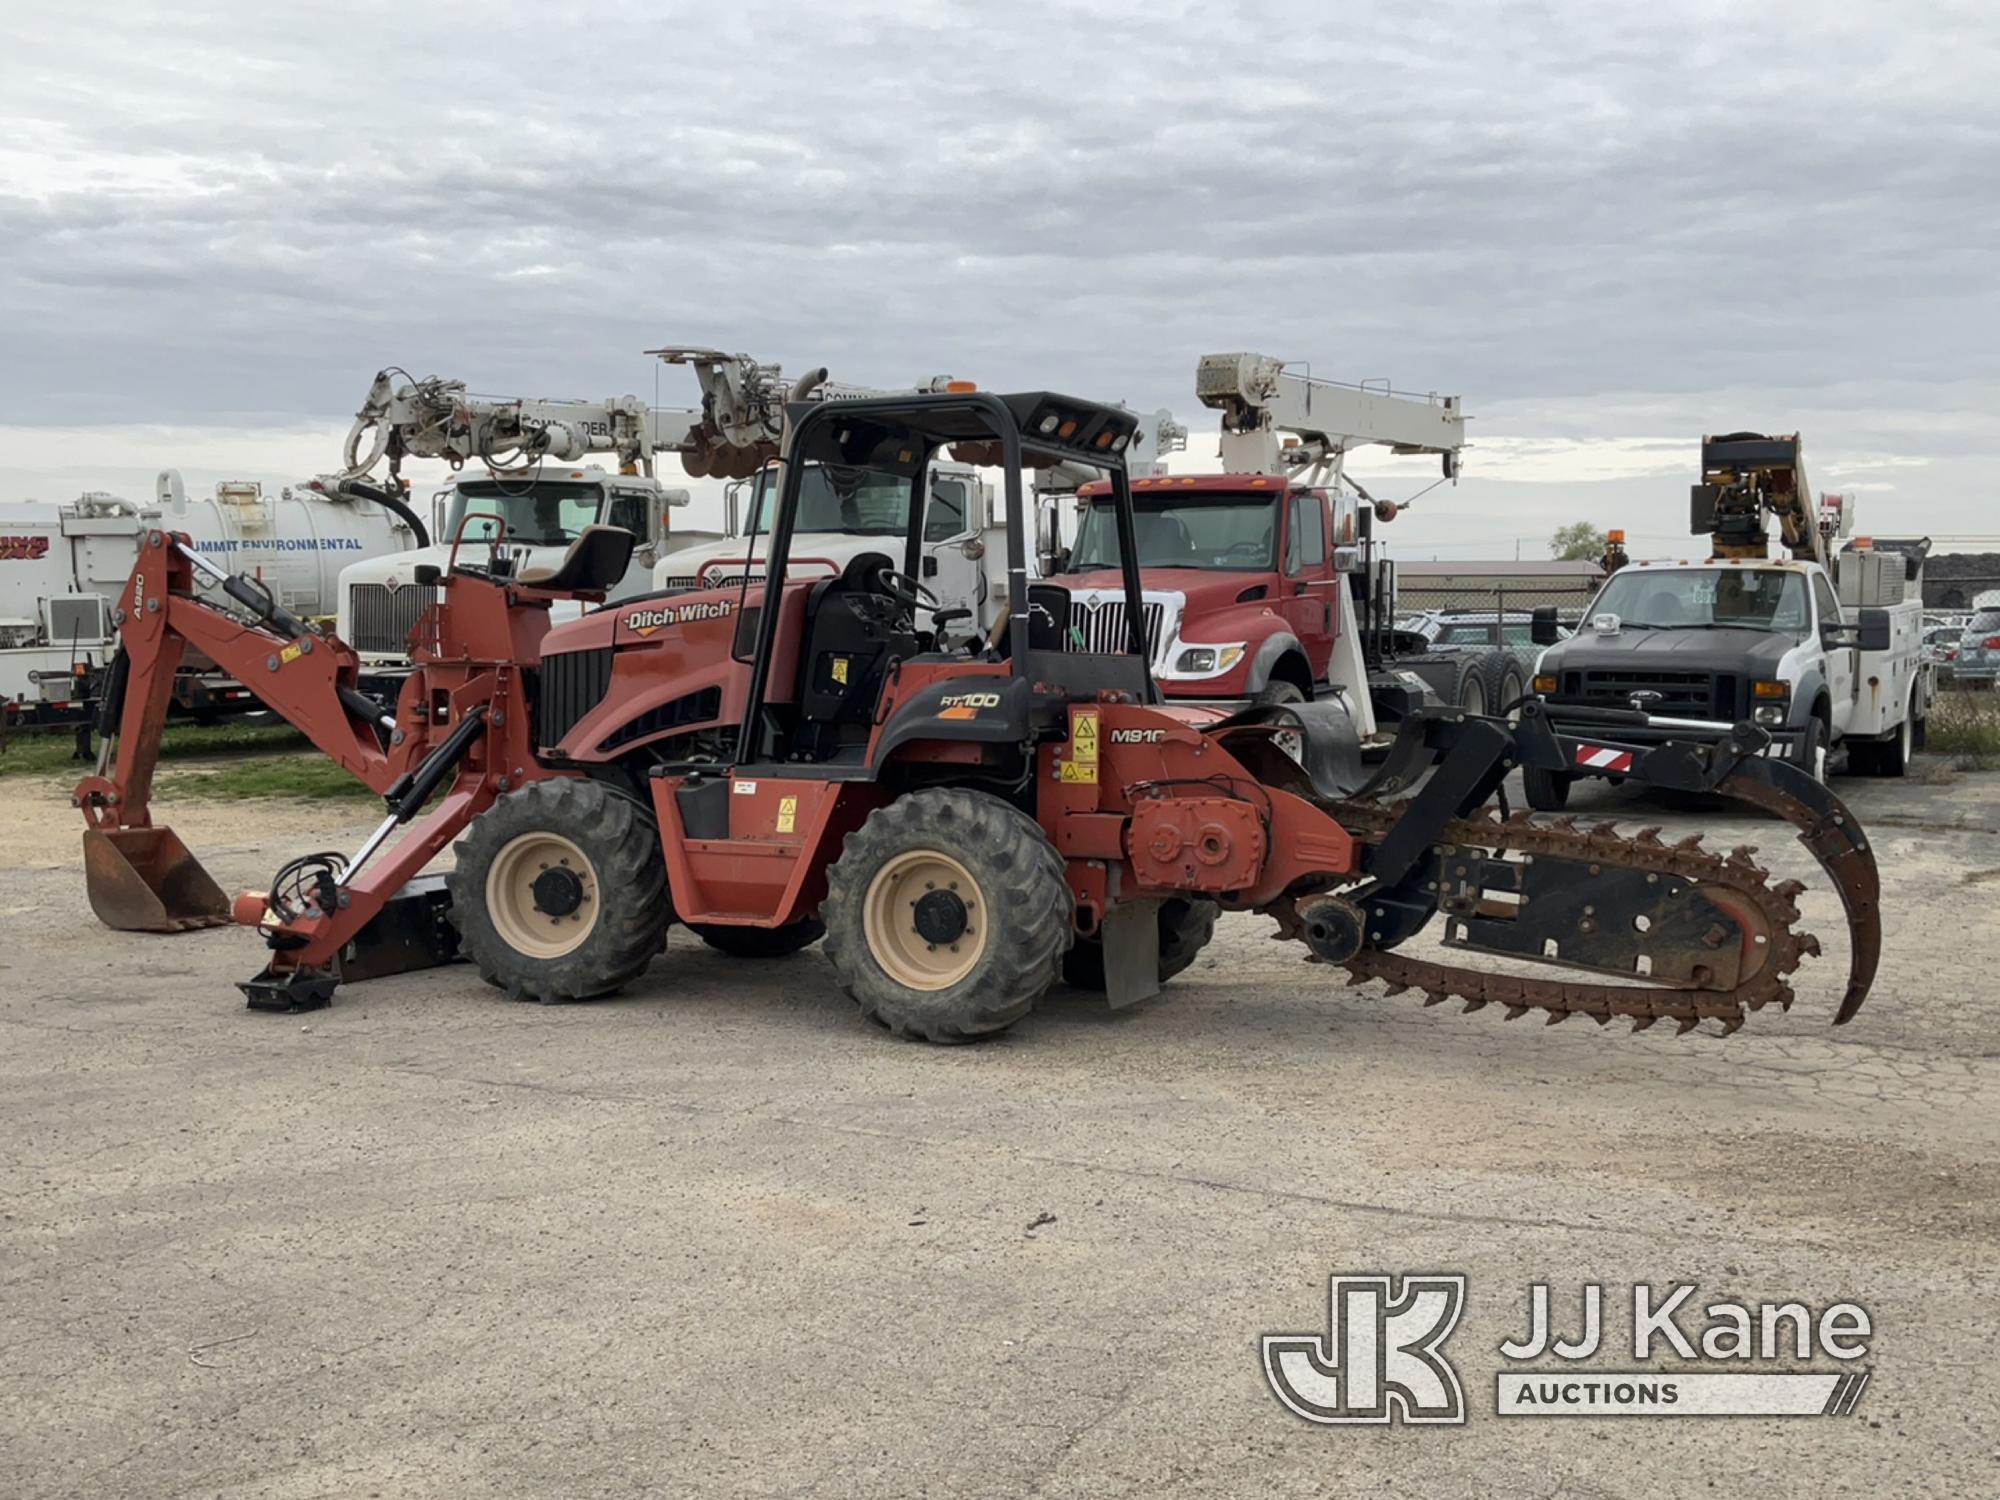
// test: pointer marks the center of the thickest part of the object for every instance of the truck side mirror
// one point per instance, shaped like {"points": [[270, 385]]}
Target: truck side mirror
{"points": [[1542, 629], [1874, 630]]}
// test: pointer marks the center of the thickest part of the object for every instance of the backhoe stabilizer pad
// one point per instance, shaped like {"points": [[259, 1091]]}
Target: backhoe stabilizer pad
{"points": [[145, 880], [289, 991]]}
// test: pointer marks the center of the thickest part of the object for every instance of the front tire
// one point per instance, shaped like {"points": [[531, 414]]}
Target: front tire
{"points": [[1547, 791], [1813, 750], [560, 892], [1186, 927], [947, 915]]}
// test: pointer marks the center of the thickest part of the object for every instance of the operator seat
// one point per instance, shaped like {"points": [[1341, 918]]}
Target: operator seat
{"points": [[594, 564], [853, 632]]}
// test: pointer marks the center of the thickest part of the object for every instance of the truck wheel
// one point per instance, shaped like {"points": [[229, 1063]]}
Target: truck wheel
{"points": [[1280, 691], [1890, 757], [560, 892], [1505, 683], [1471, 693], [1186, 926], [1812, 752], [760, 942], [1277, 690], [947, 915], [1547, 791]]}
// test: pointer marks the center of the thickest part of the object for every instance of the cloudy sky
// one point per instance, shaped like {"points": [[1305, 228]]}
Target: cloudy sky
{"points": [[1610, 227]]}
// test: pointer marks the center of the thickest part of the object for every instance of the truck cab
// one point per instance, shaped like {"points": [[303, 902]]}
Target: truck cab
{"points": [[1819, 660], [528, 519], [1242, 586], [844, 513]]}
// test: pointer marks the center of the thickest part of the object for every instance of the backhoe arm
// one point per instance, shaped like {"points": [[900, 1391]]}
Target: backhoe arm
{"points": [[142, 877]]}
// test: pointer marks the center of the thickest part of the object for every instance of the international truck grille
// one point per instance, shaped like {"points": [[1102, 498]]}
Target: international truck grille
{"points": [[384, 617], [570, 685], [1102, 630], [1685, 695], [685, 581]]}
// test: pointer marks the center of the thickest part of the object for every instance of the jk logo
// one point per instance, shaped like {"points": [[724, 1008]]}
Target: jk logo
{"points": [[1379, 1356]]}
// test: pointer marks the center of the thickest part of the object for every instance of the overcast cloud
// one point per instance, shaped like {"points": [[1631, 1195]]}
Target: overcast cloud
{"points": [[1610, 227]]}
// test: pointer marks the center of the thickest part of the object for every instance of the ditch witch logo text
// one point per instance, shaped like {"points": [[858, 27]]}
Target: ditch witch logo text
{"points": [[1381, 1358]]}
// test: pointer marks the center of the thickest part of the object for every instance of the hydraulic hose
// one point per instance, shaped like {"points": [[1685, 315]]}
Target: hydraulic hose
{"points": [[389, 501]]}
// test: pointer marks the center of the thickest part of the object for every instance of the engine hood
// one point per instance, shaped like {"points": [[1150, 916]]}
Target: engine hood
{"points": [[1205, 590], [1743, 651], [837, 547], [399, 568]]}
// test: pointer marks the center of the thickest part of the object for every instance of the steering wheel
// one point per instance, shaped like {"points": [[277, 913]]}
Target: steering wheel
{"points": [[1248, 548], [905, 590]]}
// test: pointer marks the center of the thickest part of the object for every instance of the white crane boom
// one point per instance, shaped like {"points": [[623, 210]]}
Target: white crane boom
{"points": [[1261, 401]]}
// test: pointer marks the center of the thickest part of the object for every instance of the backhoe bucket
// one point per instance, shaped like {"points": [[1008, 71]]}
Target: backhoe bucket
{"points": [[145, 880]]}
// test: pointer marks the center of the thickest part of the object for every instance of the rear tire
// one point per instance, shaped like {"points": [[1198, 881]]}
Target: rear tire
{"points": [[1504, 682], [1186, 927], [947, 915], [1547, 791], [1472, 688], [560, 892], [1890, 757], [760, 942]]}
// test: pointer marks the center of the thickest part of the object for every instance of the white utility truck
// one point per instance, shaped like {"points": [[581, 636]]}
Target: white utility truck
{"points": [[531, 493], [1822, 647], [845, 513]]}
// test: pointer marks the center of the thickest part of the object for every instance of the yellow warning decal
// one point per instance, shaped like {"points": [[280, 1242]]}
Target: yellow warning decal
{"points": [[1075, 773], [840, 670], [788, 814], [292, 652], [1083, 738]]}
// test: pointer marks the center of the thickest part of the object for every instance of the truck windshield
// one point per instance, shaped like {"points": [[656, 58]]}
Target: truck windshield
{"points": [[859, 502], [537, 513], [1222, 532], [1719, 598]]}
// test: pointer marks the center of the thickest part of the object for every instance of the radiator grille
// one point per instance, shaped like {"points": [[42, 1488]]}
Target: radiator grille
{"points": [[570, 685], [384, 617], [1699, 695], [696, 708], [685, 581], [1102, 630]]}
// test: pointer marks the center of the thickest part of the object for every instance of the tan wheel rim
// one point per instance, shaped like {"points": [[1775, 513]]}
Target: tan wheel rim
{"points": [[541, 894], [889, 919]]}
